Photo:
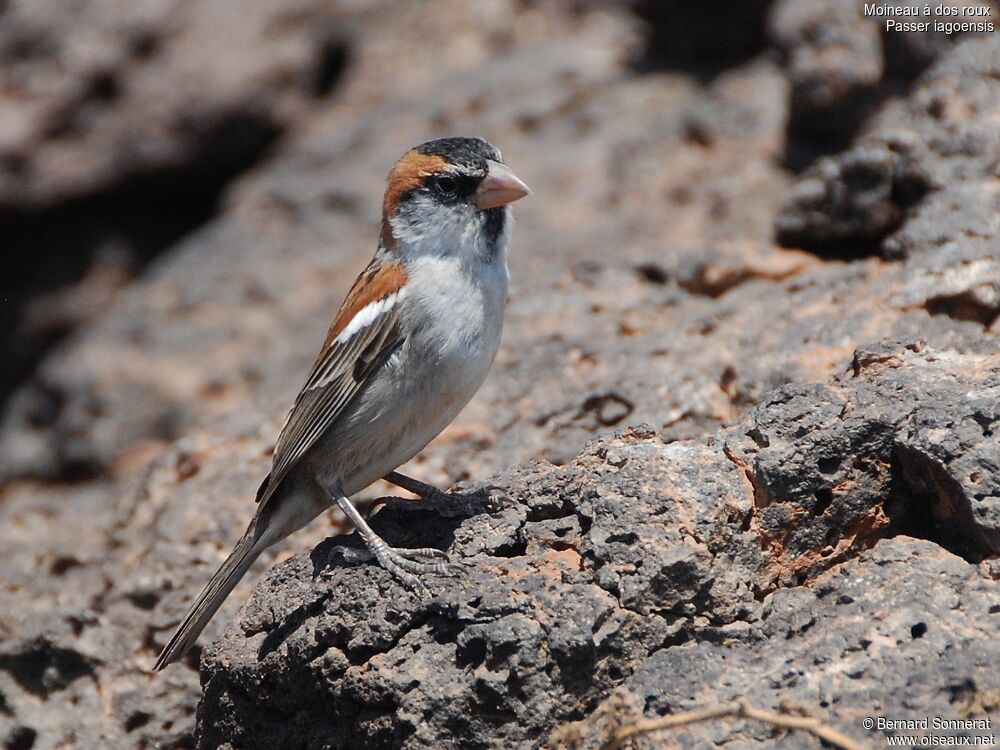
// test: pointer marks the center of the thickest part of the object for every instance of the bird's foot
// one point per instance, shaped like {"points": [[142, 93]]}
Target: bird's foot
{"points": [[483, 500], [453, 504], [405, 564]]}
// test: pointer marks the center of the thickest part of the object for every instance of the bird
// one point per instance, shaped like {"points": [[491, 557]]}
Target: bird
{"points": [[408, 348]]}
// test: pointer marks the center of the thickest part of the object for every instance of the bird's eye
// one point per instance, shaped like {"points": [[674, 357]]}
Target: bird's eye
{"points": [[447, 185]]}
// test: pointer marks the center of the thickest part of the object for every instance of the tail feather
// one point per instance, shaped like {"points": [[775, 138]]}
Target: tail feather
{"points": [[211, 598]]}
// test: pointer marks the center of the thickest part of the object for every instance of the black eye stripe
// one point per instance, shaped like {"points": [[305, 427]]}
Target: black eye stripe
{"points": [[452, 185]]}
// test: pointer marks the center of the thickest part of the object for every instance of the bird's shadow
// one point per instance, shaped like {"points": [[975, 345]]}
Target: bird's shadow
{"points": [[292, 622]]}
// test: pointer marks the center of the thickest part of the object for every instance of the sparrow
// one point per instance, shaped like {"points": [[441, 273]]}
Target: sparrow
{"points": [[410, 345]]}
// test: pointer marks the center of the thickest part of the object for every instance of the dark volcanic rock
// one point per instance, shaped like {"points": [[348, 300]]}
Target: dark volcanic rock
{"points": [[705, 39], [849, 203], [843, 62], [118, 136], [97, 95], [903, 626], [835, 64], [940, 139], [894, 447], [634, 548]]}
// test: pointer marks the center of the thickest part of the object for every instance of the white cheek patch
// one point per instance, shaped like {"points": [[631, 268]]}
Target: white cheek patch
{"points": [[366, 316]]}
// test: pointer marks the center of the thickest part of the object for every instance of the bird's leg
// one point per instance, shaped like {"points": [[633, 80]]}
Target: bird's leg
{"points": [[446, 503], [398, 561]]}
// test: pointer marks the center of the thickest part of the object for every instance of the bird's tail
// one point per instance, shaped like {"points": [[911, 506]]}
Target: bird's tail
{"points": [[211, 597]]}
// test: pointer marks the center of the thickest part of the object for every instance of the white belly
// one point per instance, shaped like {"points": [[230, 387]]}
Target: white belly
{"points": [[445, 358]]}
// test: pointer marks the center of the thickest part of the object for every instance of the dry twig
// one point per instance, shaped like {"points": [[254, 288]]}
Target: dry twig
{"points": [[738, 710]]}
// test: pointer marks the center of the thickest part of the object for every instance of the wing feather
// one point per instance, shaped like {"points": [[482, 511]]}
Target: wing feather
{"points": [[363, 335]]}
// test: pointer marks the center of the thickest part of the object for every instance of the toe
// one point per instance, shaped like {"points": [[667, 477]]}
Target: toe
{"points": [[424, 552]]}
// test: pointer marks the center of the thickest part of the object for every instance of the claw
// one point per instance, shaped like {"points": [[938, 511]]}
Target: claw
{"points": [[424, 552], [400, 562]]}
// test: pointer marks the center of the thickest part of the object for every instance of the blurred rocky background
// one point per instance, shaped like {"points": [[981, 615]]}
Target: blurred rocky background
{"points": [[744, 412]]}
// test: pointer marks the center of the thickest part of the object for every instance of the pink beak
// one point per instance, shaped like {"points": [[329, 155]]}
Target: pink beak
{"points": [[499, 187]]}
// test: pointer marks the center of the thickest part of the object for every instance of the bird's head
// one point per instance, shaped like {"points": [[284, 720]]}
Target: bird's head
{"points": [[449, 196]]}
